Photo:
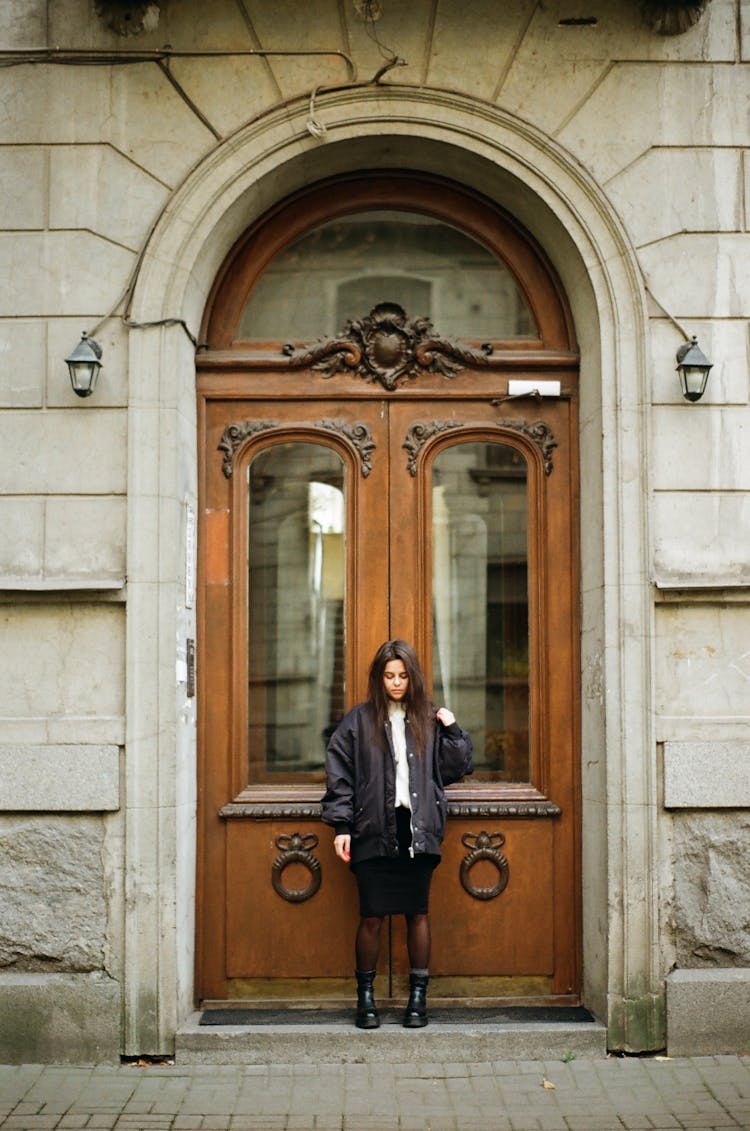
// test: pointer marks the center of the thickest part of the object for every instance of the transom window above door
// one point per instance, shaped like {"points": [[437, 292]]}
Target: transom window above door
{"points": [[449, 261], [343, 268]]}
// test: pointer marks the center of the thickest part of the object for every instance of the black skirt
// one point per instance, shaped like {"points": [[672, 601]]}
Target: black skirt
{"points": [[396, 885]]}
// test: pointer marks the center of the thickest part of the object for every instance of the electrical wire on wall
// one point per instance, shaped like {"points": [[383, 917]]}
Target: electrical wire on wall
{"points": [[370, 10]]}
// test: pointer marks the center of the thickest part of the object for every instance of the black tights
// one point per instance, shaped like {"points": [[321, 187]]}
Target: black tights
{"points": [[367, 944]]}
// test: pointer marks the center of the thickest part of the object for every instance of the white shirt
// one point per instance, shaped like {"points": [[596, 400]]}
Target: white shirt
{"points": [[397, 716]]}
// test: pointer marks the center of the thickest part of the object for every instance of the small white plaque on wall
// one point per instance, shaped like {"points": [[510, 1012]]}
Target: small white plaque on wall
{"points": [[532, 388], [706, 775]]}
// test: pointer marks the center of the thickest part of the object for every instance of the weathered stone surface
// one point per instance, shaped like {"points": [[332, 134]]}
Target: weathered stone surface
{"points": [[22, 186], [706, 775], [700, 451], [708, 1012], [85, 538], [697, 190], [52, 904], [81, 453], [59, 778], [710, 917], [61, 273], [701, 539], [21, 537], [134, 108], [23, 24], [22, 364], [59, 1019], [70, 540], [62, 660], [719, 289], [702, 661], [96, 188], [638, 106]]}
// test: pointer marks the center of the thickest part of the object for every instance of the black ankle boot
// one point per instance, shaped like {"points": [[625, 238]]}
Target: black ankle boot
{"points": [[367, 1013], [415, 1016]]}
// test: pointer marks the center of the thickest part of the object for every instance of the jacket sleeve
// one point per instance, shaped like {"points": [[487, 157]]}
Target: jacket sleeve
{"points": [[454, 751], [338, 801]]}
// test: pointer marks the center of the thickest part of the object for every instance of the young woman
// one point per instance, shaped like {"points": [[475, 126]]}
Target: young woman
{"points": [[387, 764]]}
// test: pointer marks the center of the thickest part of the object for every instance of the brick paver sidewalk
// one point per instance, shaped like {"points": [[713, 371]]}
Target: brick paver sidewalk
{"points": [[702, 1094]]}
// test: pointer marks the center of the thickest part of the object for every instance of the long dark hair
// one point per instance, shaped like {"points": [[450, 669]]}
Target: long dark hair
{"points": [[419, 708]]}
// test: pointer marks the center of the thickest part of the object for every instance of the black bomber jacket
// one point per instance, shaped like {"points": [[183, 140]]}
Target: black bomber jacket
{"points": [[361, 783]]}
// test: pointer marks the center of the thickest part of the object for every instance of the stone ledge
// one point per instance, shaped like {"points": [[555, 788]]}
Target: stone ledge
{"points": [[59, 778], [340, 1044], [708, 1012], [59, 1019], [706, 775]]}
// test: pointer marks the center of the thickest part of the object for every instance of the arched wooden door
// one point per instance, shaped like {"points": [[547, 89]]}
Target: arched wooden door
{"points": [[377, 461]]}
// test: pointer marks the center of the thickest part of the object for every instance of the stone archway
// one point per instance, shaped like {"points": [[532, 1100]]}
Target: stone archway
{"points": [[532, 177]]}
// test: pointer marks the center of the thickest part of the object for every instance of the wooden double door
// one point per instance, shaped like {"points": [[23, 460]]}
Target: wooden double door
{"points": [[386, 482]]}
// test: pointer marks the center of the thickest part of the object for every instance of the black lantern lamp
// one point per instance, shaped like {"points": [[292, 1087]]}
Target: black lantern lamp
{"points": [[84, 365], [693, 367]]}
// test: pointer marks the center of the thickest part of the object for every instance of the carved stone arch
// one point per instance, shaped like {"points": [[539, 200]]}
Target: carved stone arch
{"points": [[550, 192]]}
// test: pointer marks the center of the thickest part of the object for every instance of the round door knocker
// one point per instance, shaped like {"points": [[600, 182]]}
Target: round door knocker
{"points": [[295, 849], [484, 846]]}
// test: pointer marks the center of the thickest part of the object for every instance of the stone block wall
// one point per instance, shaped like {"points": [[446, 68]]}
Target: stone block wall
{"points": [[90, 157]]}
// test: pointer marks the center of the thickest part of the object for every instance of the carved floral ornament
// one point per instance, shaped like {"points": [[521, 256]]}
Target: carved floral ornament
{"points": [[388, 347], [422, 431], [235, 435]]}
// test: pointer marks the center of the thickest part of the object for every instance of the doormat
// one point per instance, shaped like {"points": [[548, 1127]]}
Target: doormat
{"points": [[510, 1015]]}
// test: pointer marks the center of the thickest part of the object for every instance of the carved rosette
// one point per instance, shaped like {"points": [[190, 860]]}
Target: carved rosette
{"points": [[484, 846], [295, 848], [388, 347], [540, 433], [235, 435]]}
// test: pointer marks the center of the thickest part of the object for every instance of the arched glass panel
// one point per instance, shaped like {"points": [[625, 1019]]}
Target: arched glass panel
{"points": [[296, 545], [343, 268], [480, 601]]}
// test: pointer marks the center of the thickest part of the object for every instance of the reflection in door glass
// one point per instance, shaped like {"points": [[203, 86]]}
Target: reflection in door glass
{"points": [[343, 268], [295, 608], [480, 602]]}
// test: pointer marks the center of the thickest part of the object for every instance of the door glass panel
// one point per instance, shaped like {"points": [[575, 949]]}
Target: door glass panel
{"points": [[296, 547], [480, 601], [341, 269]]}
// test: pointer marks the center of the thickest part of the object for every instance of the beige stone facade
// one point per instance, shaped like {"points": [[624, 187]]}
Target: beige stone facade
{"points": [[624, 153]]}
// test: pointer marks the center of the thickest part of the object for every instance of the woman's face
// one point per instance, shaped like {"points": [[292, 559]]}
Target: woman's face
{"points": [[395, 680]]}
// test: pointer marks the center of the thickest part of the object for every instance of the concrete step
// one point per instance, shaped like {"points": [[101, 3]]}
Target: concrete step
{"points": [[339, 1042]]}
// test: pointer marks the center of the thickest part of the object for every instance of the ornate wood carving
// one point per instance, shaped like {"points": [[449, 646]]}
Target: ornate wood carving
{"points": [[539, 432], [295, 849], [305, 810], [489, 809], [484, 846], [387, 346], [417, 437], [358, 435], [234, 435]]}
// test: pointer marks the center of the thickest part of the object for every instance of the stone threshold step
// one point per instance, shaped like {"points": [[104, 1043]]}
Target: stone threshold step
{"points": [[337, 1043]]}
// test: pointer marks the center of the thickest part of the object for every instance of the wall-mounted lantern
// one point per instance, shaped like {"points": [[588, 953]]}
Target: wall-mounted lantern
{"points": [[693, 367], [83, 365]]}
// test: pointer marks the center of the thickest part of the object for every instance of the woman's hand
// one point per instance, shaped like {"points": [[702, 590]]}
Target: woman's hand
{"points": [[447, 718], [342, 846]]}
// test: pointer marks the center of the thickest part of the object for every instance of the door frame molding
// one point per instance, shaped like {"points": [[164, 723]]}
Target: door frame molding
{"points": [[558, 201]]}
